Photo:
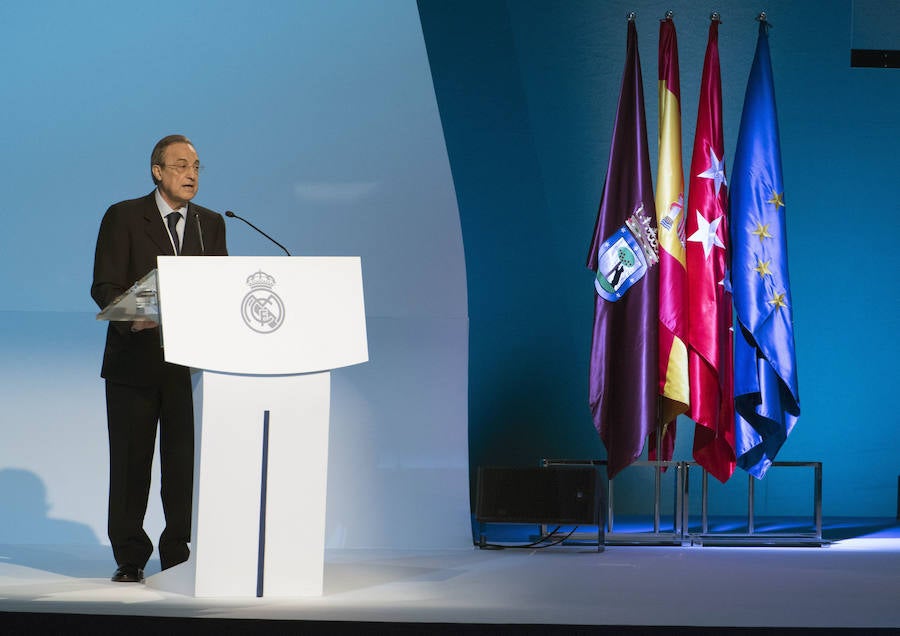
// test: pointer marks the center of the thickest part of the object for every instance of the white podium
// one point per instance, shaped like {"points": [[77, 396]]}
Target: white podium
{"points": [[262, 334]]}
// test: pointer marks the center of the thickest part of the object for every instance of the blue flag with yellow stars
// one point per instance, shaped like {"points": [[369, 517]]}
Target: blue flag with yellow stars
{"points": [[767, 402]]}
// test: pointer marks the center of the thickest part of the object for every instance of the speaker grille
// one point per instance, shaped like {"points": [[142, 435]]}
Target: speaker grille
{"points": [[551, 495]]}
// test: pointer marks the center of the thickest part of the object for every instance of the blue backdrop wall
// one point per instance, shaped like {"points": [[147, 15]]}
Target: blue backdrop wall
{"points": [[321, 122], [527, 91], [316, 120]]}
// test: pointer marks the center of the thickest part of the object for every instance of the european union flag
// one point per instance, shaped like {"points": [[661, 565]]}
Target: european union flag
{"points": [[767, 401]]}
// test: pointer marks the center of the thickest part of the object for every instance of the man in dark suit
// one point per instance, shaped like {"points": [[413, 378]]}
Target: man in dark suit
{"points": [[141, 388]]}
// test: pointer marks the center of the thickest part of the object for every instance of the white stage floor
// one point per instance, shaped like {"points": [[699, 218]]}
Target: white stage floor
{"points": [[851, 583]]}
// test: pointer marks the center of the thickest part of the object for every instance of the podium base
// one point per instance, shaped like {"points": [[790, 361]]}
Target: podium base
{"points": [[179, 579], [258, 524]]}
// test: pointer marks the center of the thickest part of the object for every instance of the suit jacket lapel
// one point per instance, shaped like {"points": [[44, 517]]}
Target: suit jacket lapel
{"points": [[155, 227]]}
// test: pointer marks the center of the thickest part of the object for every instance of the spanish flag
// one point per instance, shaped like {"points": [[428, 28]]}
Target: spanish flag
{"points": [[674, 386]]}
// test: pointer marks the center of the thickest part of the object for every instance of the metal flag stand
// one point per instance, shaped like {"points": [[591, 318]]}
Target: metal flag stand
{"points": [[680, 532]]}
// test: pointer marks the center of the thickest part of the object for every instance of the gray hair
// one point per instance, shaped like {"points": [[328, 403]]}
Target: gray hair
{"points": [[156, 157]]}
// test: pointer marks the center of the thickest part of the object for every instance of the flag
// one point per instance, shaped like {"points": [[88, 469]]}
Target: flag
{"points": [[623, 254], [767, 400], [710, 357], [673, 363]]}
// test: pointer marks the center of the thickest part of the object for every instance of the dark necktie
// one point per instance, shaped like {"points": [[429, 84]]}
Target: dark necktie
{"points": [[172, 219]]}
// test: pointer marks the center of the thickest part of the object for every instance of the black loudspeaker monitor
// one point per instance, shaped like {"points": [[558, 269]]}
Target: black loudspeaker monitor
{"points": [[556, 494]]}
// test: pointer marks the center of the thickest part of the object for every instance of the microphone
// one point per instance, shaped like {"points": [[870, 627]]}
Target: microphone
{"points": [[200, 232], [232, 215]]}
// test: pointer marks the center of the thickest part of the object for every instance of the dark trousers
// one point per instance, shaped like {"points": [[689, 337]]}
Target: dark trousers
{"points": [[132, 416]]}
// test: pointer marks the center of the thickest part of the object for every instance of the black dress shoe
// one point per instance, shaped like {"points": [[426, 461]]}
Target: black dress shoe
{"points": [[128, 574]]}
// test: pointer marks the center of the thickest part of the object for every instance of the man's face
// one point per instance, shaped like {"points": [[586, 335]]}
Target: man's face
{"points": [[179, 176]]}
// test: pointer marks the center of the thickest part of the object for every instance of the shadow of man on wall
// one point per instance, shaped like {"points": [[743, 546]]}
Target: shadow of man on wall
{"points": [[29, 537]]}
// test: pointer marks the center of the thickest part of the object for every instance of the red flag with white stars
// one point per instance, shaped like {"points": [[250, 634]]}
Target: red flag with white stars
{"points": [[710, 357]]}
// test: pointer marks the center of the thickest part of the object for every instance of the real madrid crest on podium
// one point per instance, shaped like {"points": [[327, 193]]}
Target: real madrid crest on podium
{"points": [[262, 309]]}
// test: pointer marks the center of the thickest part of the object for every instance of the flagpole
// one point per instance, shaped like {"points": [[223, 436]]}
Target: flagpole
{"points": [[656, 507], [660, 426], [659, 436]]}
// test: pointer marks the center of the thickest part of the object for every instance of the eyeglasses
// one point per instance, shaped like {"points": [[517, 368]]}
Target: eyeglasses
{"points": [[183, 166]]}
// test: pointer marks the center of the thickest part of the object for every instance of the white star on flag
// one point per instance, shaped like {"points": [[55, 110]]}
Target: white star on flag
{"points": [[707, 234], [716, 171]]}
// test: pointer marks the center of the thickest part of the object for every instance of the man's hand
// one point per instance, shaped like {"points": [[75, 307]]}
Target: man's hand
{"points": [[140, 325]]}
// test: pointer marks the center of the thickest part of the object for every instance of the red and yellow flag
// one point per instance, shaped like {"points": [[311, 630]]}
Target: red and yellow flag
{"points": [[673, 360]]}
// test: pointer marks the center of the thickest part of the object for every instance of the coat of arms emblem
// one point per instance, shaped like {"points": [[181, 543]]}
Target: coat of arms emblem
{"points": [[262, 309]]}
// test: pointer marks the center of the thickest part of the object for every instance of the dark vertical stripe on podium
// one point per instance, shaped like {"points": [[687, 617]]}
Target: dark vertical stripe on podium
{"points": [[261, 557]]}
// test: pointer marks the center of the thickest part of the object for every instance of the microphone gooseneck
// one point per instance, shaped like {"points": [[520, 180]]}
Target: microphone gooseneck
{"points": [[200, 232], [232, 215]]}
